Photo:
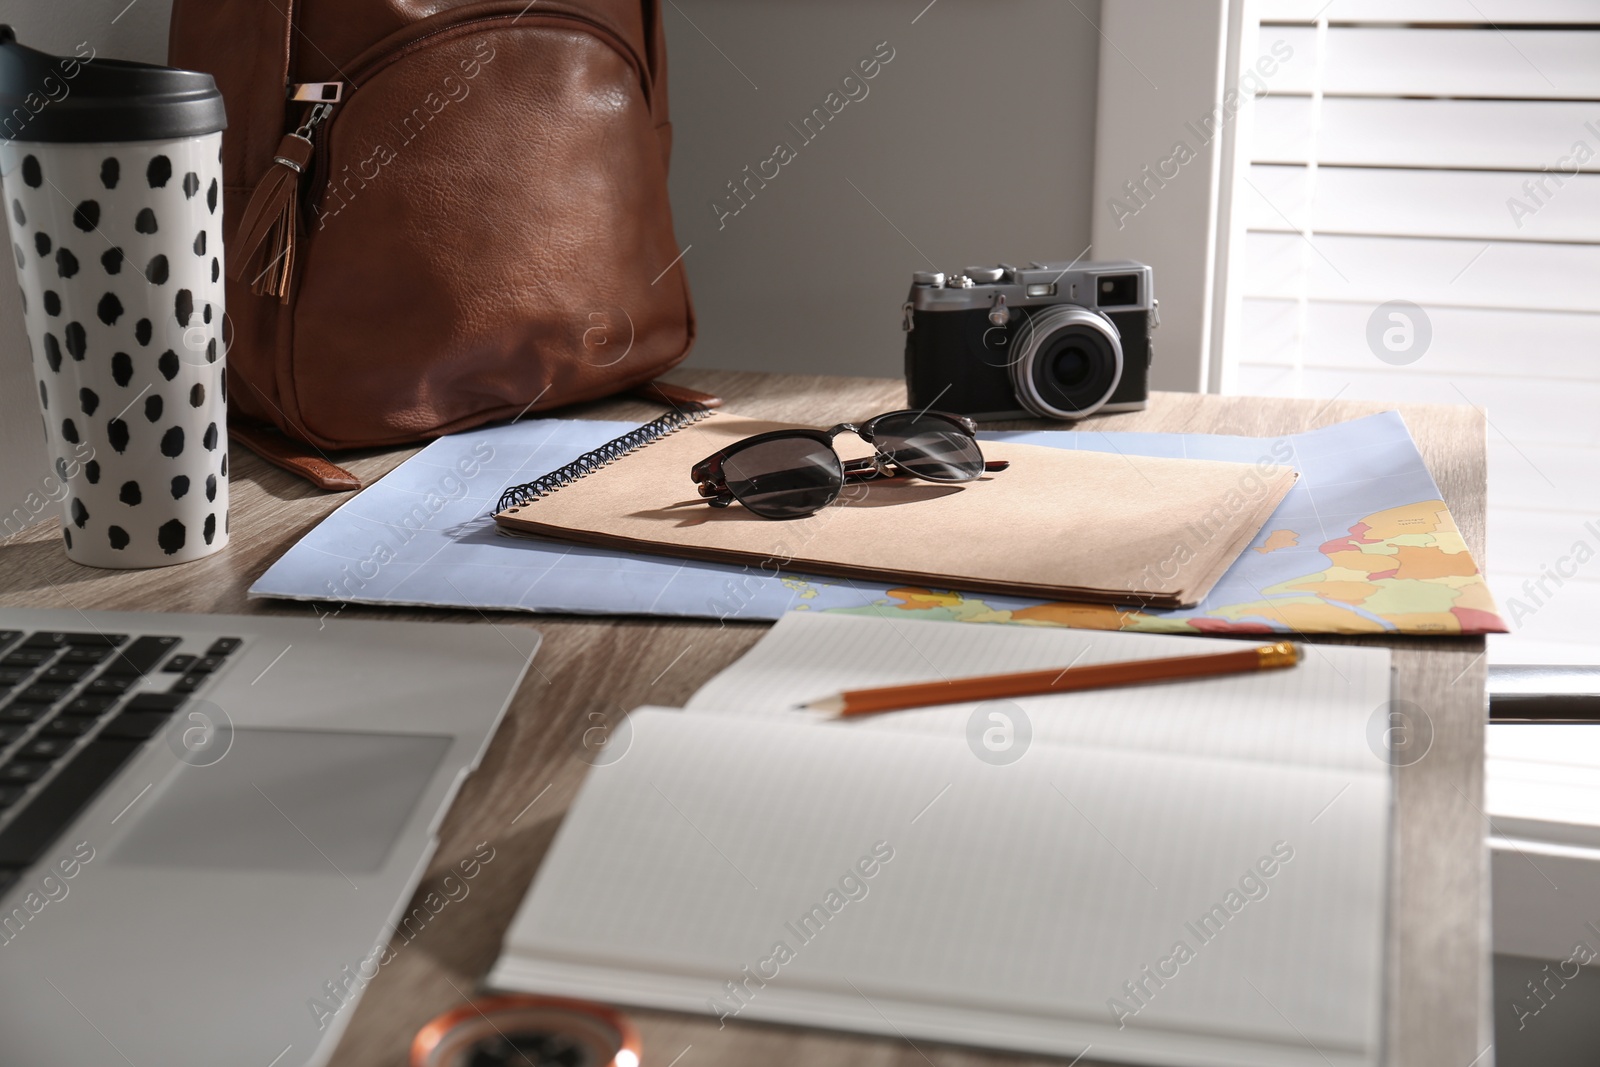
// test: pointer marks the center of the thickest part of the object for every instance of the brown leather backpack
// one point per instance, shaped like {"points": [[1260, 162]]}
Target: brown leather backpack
{"points": [[470, 223]]}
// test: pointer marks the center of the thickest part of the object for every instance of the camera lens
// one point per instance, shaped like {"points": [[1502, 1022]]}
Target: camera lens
{"points": [[1068, 362]]}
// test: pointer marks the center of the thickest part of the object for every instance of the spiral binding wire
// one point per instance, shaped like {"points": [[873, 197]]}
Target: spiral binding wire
{"points": [[520, 495]]}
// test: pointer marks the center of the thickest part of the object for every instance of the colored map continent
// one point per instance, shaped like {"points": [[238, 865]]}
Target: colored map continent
{"points": [[1404, 569], [1278, 539]]}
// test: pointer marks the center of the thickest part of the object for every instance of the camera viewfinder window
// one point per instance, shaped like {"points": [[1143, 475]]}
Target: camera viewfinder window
{"points": [[1118, 290]]}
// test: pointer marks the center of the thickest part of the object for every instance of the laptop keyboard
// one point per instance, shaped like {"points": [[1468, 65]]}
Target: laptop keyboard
{"points": [[68, 723]]}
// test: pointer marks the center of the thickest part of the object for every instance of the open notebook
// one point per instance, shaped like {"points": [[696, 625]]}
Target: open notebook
{"points": [[1077, 525], [1186, 874]]}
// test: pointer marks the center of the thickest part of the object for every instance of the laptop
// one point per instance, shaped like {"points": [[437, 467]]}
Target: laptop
{"points": [[208, 823]]}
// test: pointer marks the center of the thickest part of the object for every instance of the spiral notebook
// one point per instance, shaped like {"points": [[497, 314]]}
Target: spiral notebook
{"points": [[1062, 524]]}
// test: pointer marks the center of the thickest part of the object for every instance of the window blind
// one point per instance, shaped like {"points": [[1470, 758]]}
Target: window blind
{"points": [[1445, 155]]}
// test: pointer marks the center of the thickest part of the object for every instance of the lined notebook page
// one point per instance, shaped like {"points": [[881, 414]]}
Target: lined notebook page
{"points": [[1006, 906], [1319, 713]]}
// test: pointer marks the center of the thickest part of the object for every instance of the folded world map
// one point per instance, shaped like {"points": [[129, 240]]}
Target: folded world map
{"points": [[1363, 543]]}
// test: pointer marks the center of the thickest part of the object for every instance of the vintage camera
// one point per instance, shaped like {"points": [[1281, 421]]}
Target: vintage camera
{"points": [[1053, 340]]}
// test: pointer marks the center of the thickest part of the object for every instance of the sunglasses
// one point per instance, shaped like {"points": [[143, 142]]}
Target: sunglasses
{"points": [[789, 474]]}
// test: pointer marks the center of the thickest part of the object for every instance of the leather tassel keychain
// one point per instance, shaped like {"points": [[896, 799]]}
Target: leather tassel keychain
{"points": [[264, 246]]}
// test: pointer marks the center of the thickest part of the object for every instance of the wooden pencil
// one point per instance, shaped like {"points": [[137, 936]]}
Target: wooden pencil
{"points": [[1065, 680]]}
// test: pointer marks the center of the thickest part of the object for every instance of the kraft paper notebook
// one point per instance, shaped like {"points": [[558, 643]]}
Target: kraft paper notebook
{"points": [[1074, 525], [1191, 874]]}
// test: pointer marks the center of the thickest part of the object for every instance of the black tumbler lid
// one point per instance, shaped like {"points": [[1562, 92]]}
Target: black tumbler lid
{"points": [[73, 99]]}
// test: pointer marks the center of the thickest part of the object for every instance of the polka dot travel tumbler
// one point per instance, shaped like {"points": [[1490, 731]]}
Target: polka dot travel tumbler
{"points": [[113, 184]]}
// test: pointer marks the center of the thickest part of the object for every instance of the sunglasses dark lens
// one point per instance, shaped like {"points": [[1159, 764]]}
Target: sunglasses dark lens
{"points": [[784, 479], [929, 447]]}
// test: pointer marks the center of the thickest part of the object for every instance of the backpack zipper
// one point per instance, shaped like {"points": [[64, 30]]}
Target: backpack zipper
{"points": [[328, 94], [319, 115], [547, 11]]}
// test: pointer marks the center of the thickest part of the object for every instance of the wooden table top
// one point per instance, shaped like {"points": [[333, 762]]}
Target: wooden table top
{"points": [[1439, 967]]}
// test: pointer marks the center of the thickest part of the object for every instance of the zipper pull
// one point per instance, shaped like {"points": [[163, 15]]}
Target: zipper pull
{"points": [[265, 240], [316, 92], [319, 115]]}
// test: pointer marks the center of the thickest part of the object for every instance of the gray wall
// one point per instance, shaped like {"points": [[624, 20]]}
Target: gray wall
{"points": [[975, 142]]}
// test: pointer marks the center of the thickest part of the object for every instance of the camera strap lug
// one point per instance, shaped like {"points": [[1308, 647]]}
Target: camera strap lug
{"points": [[905, 320], [999, 314]]}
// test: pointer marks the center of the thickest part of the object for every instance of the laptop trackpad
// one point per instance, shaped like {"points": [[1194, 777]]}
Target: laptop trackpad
{"points": [[287, 800]]}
